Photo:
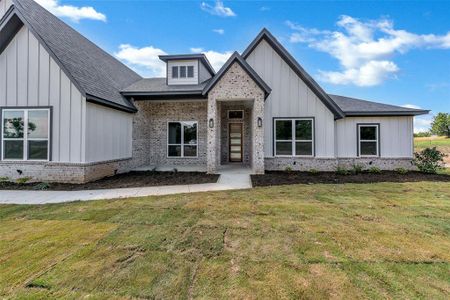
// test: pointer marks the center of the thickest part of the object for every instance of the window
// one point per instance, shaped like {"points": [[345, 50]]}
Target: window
{"points": [[25, 134], [236, 114], [368, 139], [182, 139], [190, 71], [294, 137], [174, 72], [183, 72]]}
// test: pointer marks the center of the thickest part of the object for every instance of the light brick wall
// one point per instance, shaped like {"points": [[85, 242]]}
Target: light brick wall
{"points": [[150, 131], [61, 172], [331, 164], [236, 85]]}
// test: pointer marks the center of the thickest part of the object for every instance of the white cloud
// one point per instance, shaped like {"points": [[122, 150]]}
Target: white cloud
{"points": [[143, 60], [218, 9], [413, 106], [423, 123], [364, 49], [219, 31], [217, 59], [71, 12], [264, 8]]}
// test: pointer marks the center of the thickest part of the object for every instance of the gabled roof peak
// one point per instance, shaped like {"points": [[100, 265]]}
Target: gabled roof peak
{"points": [[266, 35], [236, 57]]}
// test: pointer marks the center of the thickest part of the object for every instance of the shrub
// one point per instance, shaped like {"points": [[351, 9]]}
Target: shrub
{"points": [[4, 179], [374, 170], [429, 160], [41, 186], [342, 171], [288, 169], [356, 169], [313, 171], [401, 171], [23, 180]]}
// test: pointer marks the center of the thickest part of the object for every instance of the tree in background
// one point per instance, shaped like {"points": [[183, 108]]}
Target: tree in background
{"points": [[441, 124]]}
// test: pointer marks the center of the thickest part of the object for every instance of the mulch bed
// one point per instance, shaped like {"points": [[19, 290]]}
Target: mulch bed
{"points": [[283, 177], [126, 180]]}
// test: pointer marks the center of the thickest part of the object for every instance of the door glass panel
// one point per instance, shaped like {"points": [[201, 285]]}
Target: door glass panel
{"points": [[235, 139], [235, 149], [235, 156]]}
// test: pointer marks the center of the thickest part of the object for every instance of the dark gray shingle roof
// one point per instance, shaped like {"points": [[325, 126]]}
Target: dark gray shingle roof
{"points": [[95, 72], [358, 107], [160, 86]]}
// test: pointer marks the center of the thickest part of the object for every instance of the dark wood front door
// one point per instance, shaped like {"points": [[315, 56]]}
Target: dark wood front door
{"points": [[235, 142]]}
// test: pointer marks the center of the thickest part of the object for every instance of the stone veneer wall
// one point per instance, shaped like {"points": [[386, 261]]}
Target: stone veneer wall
{"points": [[331, 164], [247, 134], [150, 131], [62, 172], [235, 85]]}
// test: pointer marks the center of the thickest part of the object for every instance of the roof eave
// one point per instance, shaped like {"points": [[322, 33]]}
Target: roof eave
{"points": [[106, 103], [385, 113]]}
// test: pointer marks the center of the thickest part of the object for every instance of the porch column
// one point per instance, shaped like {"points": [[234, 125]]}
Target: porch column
{"points": [[212, 148], [258, 135]]}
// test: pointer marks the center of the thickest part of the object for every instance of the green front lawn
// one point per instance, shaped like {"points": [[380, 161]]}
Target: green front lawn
{"points": [[380, 240]]}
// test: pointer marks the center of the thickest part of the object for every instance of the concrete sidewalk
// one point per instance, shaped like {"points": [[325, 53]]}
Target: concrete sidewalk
{"points": [[231, 178]]}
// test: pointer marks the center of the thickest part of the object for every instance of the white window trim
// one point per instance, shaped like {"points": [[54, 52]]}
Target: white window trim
{"points": [[377, 140], [228, 114], [293, 140], [182, 140], [25, 138]]}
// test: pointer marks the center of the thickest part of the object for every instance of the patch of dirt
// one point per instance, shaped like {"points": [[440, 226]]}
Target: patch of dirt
{"points": [[283, 177], [126, 180]]}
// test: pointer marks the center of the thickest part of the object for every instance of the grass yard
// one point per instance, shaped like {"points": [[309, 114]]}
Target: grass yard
{"points": [[441, 143], [383, 240]]}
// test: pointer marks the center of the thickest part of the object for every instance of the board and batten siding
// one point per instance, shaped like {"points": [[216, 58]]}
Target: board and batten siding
{"points": [[396, 136], [108, 133], [30, 77], [171, 63], [4, 6], [290, 97]]}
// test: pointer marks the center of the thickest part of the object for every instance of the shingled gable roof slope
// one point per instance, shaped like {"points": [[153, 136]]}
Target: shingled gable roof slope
{"points": [[290, 60], [236, 57], [99, 76]]}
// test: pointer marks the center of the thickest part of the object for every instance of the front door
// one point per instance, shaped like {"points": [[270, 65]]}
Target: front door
{"points": [[235, 142]]}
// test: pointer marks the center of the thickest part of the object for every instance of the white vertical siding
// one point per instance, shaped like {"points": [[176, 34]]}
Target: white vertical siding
{"points": [[30, 77], [186, 63], [4, 6], [108, 133], [290, 97], [396, 136]]}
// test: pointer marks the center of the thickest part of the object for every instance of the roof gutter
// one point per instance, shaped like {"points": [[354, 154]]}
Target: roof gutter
{"points": [[385, 113], [103, 102]]}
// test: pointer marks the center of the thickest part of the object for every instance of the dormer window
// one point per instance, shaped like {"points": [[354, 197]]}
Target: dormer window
{"points": [[182, 72]]}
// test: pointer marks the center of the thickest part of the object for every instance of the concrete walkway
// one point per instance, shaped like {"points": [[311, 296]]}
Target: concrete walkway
{"points": [[231, 178]]}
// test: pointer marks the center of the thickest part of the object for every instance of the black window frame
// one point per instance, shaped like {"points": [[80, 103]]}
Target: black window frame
{"points": [[293, 139], [359, 140], [25, 138]]}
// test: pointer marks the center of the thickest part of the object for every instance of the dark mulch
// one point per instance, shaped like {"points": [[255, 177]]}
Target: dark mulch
{"points": [[282, 177], [126, 180]]}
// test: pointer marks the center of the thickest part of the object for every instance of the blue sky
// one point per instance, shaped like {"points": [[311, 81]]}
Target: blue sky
{"points": [[396, 52]]}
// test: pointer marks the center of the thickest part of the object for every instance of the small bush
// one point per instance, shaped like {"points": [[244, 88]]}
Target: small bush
{"points": [[23, 180], [313, 171], [41, 186], [401, 171], [4, 179], [356, 169], [342, 171], [374, 170], [429, 160], [288, 169]]}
